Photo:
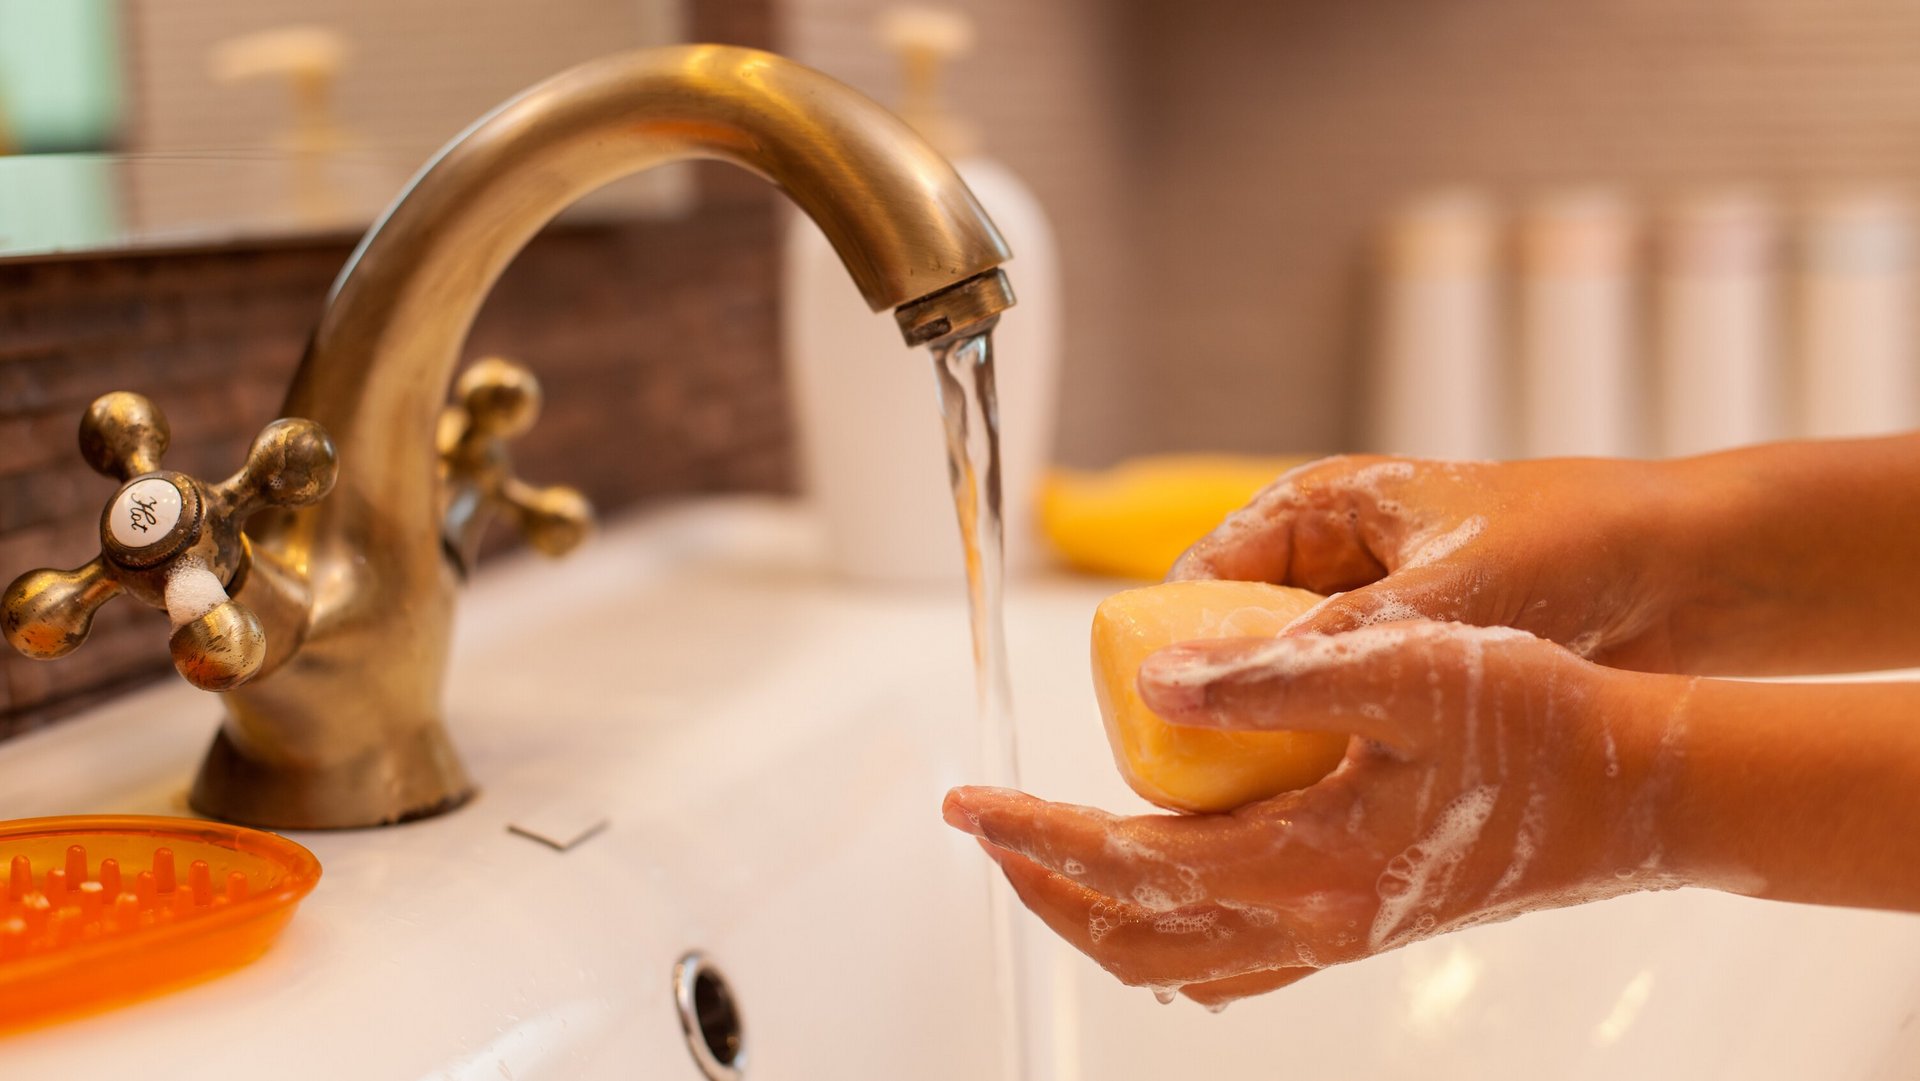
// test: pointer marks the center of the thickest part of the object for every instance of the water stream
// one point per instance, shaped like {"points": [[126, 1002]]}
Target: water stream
{"points": [[963, 365]]}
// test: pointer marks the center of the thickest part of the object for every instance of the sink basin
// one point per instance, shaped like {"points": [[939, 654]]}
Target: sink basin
{"points": [[768, 751]]}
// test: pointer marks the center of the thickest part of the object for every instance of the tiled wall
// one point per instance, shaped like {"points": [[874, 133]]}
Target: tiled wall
{"points": [[1277, 134], [657, 338], [1216, 170], [414, 72]]}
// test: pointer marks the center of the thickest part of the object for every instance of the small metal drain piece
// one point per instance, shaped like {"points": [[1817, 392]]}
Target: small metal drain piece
{"points": [[710, 1019]]}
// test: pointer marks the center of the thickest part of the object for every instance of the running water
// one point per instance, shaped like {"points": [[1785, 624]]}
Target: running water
{"points": [[964, 367]]}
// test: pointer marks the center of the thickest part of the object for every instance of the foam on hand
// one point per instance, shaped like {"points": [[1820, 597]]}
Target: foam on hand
{"points": [[1199, 769]]}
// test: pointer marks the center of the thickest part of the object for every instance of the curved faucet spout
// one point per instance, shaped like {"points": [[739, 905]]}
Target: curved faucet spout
{"points": [[346, 731]]}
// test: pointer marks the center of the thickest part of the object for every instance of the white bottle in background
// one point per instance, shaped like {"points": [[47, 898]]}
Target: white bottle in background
{"points": [[873, 453], [1718, 363], [1436, 386], [1856, 371], [1579, 391]]}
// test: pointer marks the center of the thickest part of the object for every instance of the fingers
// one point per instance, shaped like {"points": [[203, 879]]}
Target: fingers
{"points": [[1311, 528], [1379, 682], [1194, 945], [1217, 994], [1159, 862], [1253, 684]]}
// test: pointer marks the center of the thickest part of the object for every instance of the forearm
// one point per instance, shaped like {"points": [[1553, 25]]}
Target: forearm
{"points": [[1793, 557], [1796, 792]]}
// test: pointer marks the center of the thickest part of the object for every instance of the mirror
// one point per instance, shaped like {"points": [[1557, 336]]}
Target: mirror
{"points": [[128, 124]]}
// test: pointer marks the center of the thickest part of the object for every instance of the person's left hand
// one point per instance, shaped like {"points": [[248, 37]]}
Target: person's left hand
{"points": [[1491, 773]]}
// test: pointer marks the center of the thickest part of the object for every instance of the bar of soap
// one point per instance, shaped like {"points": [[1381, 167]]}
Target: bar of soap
{"points": [[1198, 769]]}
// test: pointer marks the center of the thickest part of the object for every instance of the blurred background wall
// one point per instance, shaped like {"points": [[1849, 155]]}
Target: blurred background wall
{"points": [[1285, 131], [1219, 170], [1052, 89]]}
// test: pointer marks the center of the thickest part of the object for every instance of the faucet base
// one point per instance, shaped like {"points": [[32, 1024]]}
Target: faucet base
{"points": [[406, 780]]}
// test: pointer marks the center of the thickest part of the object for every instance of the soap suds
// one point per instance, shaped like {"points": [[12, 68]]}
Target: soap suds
{"points": [[1421, 873], [1203, 923], [1586, 644], [192, 592], [1103, 918], [1152, 898], [1371, 477], [1165, 891], [1432, 549], [1390, 609], [1253, 915], [1526, 844], [1305, 654]]}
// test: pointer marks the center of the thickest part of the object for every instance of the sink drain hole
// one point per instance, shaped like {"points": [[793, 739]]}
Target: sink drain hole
{"points": [[710, 1018]]}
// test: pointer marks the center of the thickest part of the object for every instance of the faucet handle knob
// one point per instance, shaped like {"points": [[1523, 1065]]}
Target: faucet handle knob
{"points": [[171, 541], [123, 435], [496, 401], [291, 463]]}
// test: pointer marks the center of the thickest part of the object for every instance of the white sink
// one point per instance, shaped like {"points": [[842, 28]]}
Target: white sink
{"points": [[770, 751]]}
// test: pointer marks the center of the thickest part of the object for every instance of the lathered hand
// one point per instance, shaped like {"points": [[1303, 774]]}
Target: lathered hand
{"points": [[1780, 559], [1491, 773], [172, 541], [1564, 549]]}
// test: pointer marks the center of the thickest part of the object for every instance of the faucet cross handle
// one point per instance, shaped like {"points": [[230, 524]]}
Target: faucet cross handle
{"points": [[172, 541], [495, 402]]}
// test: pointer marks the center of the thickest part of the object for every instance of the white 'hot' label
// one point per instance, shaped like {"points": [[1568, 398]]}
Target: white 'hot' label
{"points": [[145, 512]]}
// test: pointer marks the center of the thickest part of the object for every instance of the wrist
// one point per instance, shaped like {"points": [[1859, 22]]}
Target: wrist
{"points": [[1648, 575], [1688, 540], [1639, 799]]}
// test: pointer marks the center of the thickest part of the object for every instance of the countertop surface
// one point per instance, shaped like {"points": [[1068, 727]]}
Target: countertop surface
{"points": [[769, 749]]}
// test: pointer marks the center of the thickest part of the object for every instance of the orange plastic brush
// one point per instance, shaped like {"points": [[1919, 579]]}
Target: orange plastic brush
{"points": [[99, 909]]}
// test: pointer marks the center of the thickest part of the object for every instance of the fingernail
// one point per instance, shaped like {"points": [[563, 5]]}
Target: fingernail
{"points": [[956, 813]]}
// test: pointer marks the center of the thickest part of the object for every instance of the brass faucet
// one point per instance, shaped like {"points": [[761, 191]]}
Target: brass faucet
{"points": [[341, 606]]}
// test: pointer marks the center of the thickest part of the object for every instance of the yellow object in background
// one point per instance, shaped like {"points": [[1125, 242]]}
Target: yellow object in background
{"points": [[1134, 520], [1198, 769]]}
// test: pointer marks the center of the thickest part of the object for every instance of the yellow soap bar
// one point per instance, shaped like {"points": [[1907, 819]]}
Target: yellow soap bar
{"points": [[1198, 769]]}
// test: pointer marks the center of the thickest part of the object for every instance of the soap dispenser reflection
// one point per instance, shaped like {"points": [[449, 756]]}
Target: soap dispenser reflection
{"points": [[872, 448]]}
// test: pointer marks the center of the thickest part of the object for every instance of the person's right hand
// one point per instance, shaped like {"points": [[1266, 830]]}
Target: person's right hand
{"points": [[1490, 773], [1567, 549]]}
